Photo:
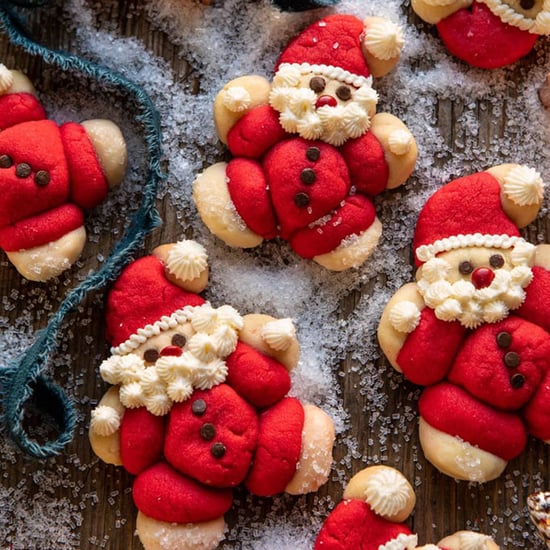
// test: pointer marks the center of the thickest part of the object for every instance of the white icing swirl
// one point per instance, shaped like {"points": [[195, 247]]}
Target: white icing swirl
{"points": [[187, 260], [105, 420], [158, 404], [6, 79], [179, 389], [132, 395], [230, 316], [356, 121], [435, 269], [523, 186], [401, 542], [366, 96], [400, 142], [387, 492], [210, 374], [237, 99], [383, 39], [404, 316], [203, 347], [279, 334], [225, 340]]}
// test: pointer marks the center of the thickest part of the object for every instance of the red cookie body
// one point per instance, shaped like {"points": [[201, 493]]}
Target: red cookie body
{"points": [[34, 176], [307, 180], [353, 525], [503, 363], [211, 437], [479, 37]]}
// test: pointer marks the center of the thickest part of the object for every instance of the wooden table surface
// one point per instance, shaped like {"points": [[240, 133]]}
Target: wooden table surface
{"points": [[75, 501]]}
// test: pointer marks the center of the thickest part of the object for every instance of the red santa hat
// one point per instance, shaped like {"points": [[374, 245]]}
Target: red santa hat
{"points": [[334, 47], [469, 212], [144, 303]]}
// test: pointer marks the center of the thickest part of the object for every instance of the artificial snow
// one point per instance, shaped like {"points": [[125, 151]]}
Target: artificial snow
{"points": [[43, 507]]}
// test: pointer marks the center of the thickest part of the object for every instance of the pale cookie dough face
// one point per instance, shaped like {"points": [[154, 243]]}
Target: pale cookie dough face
{"points": [[465, 260], [178, 337], [320, 107], [476, 284]]}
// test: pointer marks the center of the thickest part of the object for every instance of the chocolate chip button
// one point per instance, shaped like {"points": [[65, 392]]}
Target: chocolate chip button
{"points": [[527, 4], [5, 161], [504, 339], [198, 407], [313, 153], [42, 178], [23, 170], [512, 360], [308, 176], [517, 380], [301, 200], [217, 450], [208, 431]]}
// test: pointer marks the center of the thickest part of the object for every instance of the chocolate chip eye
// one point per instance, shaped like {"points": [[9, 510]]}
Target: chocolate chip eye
{"points": [[465, 267], [527, 4], [343, 93], [5, 161], [179, 340], [317, 84], [151, 355], [496, 260]]}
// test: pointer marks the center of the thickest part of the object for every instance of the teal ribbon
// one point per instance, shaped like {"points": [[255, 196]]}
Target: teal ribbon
{"points": [[23, 379]]}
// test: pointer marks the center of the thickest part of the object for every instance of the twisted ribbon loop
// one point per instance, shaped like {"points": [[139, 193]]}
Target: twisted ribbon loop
{"points": [[23, 379]]}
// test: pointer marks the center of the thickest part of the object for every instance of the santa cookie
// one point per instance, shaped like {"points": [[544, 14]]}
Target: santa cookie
{"points": [[487, 33], [199, 402], [309, 151], [474, 327], [49, 174], [376, 503]]}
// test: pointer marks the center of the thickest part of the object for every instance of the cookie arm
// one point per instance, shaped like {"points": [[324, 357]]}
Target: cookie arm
{"points": [[383, 158], [537, 294], [236, 99], [415, 341]]}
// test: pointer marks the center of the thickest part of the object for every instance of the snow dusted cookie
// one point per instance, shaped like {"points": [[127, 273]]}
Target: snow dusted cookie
{"points": [[474, 327], [376, 503], [487, 33], [309, 151], [199, 402], [49, 174]]}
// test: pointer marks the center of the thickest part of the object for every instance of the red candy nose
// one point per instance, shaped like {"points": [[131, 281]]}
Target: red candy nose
{"points": [[326, 100], [174, 351], [482, 277]]}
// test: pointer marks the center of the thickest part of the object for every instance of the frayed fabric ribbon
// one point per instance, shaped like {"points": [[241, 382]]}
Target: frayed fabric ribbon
{"points": [[23, 379]]}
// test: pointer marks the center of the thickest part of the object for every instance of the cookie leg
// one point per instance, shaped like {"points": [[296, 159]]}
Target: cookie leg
{"points": [[162, 535], [49, 260], [217, 210]]}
